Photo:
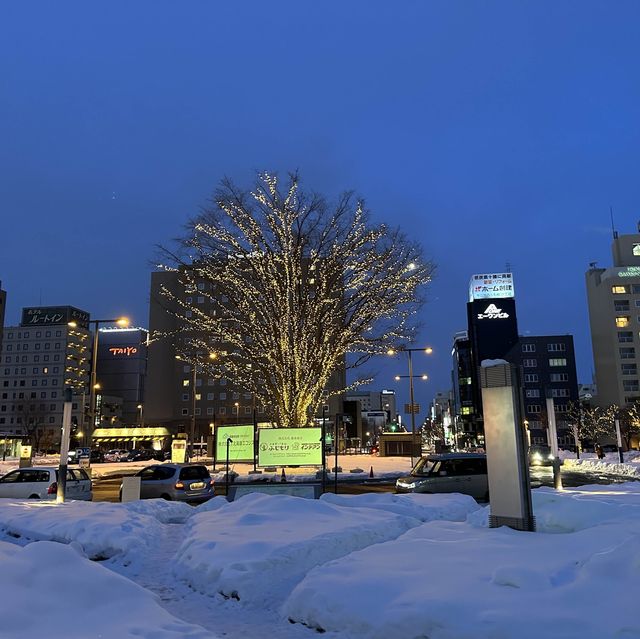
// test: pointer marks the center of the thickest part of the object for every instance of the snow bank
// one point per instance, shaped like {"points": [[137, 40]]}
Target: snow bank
{"points": [[101, 529], [446, 580], [577, 508], [257, 547], [54, 592], [610, 466], [452, 507]]}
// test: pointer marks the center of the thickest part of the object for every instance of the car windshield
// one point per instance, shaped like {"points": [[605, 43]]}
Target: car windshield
{"points": [[423, 467]]}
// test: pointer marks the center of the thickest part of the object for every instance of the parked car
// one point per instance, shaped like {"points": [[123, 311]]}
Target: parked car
{"points": [[464, 473], [175, 482], [95, 456], [142, 454], [540, 455], [41, 482], [116, 455]]}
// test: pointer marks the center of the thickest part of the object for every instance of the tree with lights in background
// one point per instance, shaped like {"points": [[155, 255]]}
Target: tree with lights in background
{"points": [[294, 283]]}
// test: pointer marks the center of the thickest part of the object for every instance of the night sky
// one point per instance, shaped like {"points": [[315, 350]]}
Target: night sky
{"points": [[493, 132]]}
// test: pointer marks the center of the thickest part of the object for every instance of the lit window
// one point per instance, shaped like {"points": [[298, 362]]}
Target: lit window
{"points": [[185, 382], [636, 249], [560, 361], [619, 290], [623, 321]]}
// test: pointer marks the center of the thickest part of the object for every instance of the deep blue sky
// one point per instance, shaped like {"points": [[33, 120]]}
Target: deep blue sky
{"points": [[493, 132]]}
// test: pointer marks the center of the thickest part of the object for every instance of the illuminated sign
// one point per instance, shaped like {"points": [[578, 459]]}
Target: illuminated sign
{"points": [[290, 447], [491, 286], [493, 312], [240, 446], [630, 271], [54, 316], [127, 351], [178, 451]]}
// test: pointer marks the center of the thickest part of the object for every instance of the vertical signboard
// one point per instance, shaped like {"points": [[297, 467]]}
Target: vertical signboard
{"points": [[241, 446]]}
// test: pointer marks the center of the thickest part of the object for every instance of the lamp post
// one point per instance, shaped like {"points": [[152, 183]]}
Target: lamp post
{"points": [[123, 322], [141, 415], [428, 350], [193, 382]]}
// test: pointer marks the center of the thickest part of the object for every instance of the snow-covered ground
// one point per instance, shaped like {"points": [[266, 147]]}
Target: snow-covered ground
{"points": [[359, 567]]}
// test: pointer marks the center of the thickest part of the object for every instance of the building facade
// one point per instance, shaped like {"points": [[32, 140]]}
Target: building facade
{"points": [[613, 296], [40, 358], [547, 369], [121, 369]]}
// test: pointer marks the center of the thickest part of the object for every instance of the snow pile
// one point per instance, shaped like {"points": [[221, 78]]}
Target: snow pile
{"points": [[54, 592], [101, 529], [257, 547], [452, 507], [611, 466], [446, 580]]}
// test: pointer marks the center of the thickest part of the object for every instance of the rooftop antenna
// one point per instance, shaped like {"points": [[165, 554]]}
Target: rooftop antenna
{"points": [[613, 228], [507, 266]]}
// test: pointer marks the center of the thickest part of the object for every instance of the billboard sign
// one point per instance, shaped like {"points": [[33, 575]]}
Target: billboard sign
{"points": [[290, 447], [491, 286], [54, 316], [240, 447]]}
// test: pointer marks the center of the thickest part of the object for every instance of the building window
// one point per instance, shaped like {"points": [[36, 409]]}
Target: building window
{"points": [[247, 410], [630, 385], [560, 361], [629, 369], [234, 410], [209, 411], [561, 408], [635, 249], [198, 397], [210, 397], [627, 353], [466, 410], [197, 411], [528, 348], [223, 381], [185, 382], [622, 321], [530, 363], [556, 348], [534, 408], [560, 392], [222, 410], [625, 337], [185, 411], [185, 397], [559, 377], [635, 289], [620, 306], [223, 396], [52, 420], [620, 290], [532, 392]]}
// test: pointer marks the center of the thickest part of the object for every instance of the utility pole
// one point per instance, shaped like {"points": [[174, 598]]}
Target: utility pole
{"points": [[64, 445]]}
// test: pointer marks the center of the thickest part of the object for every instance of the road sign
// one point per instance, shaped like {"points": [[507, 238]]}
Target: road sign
{"points": [[412, 408]]}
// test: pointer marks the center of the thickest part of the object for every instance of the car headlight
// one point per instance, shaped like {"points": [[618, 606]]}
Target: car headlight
{"points": [[550, 456], [406, 484]]}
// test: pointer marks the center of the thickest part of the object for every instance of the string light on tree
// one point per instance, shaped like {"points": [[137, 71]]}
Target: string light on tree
{"points": [[293, 284]]}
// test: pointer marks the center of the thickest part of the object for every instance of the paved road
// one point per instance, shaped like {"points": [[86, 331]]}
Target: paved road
{"points": [[107, 489]]}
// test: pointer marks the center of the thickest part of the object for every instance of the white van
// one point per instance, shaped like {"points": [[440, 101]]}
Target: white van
{"points": [[464, 473]]}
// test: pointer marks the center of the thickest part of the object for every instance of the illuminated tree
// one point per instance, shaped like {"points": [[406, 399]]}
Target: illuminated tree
{"points": [[589, 422], [293, 283]]}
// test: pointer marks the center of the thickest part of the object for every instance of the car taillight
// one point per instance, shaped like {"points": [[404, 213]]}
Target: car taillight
{"points": [[179, 485], [53, 489]]}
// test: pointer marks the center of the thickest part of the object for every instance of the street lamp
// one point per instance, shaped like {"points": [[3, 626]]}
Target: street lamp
{"points": [[123, 322], [427, 350], [237, 407], [192, 427], [141, 415]]}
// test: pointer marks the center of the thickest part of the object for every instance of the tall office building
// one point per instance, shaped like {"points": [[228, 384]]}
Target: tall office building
{"points": [[169, 392], [121, 369], [613, 296], [40, 358], [546, 363]]}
